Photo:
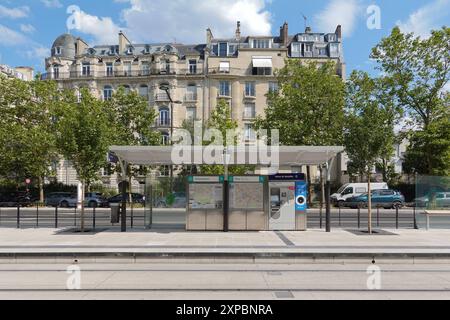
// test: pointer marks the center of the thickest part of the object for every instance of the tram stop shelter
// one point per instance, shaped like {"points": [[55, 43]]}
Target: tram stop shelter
{"points": [[286, 157]]}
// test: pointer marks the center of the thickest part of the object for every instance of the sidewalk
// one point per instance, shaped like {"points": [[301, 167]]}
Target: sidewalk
{"points": [[49, 245]]}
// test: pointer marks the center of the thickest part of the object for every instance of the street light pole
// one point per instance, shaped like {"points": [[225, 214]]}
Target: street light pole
{"points": [[166, 88]]}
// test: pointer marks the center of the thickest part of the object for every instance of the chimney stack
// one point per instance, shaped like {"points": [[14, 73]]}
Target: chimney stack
{"points": [[209, 36], [284, 34], [339, 32], [238, 31]]}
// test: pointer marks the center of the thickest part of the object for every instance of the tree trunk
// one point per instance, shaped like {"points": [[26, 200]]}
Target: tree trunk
{"points": [[41, 190], [369, 203], [308, 173], [83, 186], [130, 197], [322, 193]]}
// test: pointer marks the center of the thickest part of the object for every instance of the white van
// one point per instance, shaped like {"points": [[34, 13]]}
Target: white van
{"points": [[350, 190]]}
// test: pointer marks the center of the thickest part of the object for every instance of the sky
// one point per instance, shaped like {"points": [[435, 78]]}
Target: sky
{"points": [[29, 27]]}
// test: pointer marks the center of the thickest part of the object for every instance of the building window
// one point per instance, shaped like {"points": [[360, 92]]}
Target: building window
{"points": [[191, 114], [322, 51], [308, 47], [224, 89], [107, 93], [334, 49], [296, 47], [165, 66], [58, 51], [86, 69], [249, 111], [55, 72], [261, 44], [273, 87], [262, 71], [164, 117], [249, 132], [193, 66], [127, 89], [165, 139], [143, 91], [165, 170], [250, 89], [109, 69], [127, 69], [223, 49], [331, 37], [191, 92], [145, 68]]}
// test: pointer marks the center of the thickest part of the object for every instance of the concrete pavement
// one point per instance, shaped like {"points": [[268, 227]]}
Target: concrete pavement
{"points": [[224, 282], [49, 245]]}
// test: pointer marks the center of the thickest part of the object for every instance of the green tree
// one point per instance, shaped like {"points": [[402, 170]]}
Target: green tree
{"points": [[308, 110], [26, 129], [133, 123], [222, 121], [419, 71], [83, 135], [369, 126]]}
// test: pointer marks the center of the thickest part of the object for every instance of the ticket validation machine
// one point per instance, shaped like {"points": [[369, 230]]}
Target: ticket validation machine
{"points": [[287, 209]]}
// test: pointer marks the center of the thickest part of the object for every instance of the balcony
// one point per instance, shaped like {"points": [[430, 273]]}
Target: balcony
{"points": [[104, 74], [191, 97], [162, 97], [249, 115], [163, 123]]}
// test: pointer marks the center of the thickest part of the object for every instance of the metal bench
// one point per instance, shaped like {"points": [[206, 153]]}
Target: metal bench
{"points": [[435, 213]]}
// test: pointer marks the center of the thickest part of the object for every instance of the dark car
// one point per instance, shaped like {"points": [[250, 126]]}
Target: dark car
{"points": [[22, 198], [61, 199], [95, 200], [387, 199], [136, 198]]}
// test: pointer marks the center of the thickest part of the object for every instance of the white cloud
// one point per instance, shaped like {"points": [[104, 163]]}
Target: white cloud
{"points": [[27, 28], [14, 13], [182, 20], [52, 3], [9, 37], [38, 53], [103, 29], [427, 18], [339, 12]]}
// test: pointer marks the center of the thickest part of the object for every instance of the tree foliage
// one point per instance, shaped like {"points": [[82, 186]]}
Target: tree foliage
{"points": [[418, 71], [308, 108]]}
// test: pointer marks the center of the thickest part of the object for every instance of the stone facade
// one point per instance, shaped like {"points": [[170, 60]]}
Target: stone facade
{"points": [[239, 69]]}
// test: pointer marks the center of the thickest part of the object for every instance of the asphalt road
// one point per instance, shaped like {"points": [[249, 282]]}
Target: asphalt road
{"points": [[346, 218], [224, 282]]}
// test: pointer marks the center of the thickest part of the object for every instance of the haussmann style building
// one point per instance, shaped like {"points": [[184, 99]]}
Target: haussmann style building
{"points": [[239, 69]]}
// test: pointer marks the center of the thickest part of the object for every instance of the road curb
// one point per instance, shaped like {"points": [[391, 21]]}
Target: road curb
{"points": [[223, 258]]}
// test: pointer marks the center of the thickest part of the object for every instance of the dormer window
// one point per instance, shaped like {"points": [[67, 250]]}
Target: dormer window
{"points": [[147, 50], [223, 49], [113, 50], [262, 44], [130, 50], [331, 37], [58, 51]]}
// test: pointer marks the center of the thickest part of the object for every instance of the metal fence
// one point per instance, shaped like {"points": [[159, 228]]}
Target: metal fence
{"points": [[37, 216]]}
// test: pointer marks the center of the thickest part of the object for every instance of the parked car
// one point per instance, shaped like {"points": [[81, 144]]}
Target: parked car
{"points": [[136, 198], [351, 190], [61, 199], [387, 199], [442, 200], [23, 198], [177, 200], [95, 200]]}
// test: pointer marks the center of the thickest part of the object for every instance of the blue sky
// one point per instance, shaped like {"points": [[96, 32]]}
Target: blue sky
{"points": [[29, 27]]}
